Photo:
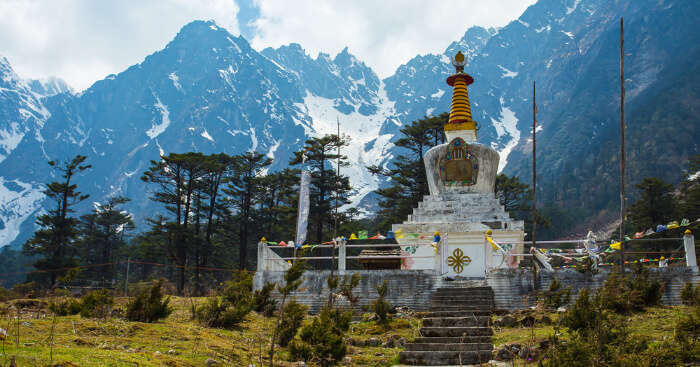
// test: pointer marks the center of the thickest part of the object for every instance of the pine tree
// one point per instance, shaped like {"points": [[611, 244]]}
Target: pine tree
{"points": [[242, 192], [327, 187], [55, 241], [655, 205], [103, 236], [177, 177], [407, 174], [516, 198]]}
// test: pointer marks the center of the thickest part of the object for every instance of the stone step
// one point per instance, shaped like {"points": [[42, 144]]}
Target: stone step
{"points": [[464, 347], [462, 308], [434, 314], [443, 358], [455, 331], [455, 302], [454, 340], [483, 321], [463, 299], [459, 287]]}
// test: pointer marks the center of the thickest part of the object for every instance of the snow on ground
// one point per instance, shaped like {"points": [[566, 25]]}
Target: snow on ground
{"points": [[157, 129], [507, 73], [176, 82], [366, 147], [570, 10], [18, 201], [438, 94], [206, 135], [571, 35], [547, 28], [9, 139], [506, 126]]}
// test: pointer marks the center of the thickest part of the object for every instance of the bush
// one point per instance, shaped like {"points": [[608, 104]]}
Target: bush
{"points": [[220, 313], [27, 290], [66, 307], [292, 317], [6, 294], [97, 303], [322, 339], [690, 296], [555, 297], [263, 302], [381, 307], [631, 293], [149, 305]]}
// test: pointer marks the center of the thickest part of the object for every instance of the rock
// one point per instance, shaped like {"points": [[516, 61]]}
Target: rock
{"points": [[561, 309], [131, 350], [527, 321], [173, 352], [378, 354], [301, 364], [211, 362], [507, 321], [401, 342], [347, 361], [545, 320], [524, 352], [372, 342], [3, 334], [544, 344], [503, 354], [388, 344], [28, 344], [156, 353]]}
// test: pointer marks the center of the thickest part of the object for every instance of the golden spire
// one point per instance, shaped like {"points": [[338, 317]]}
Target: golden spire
{"points": [[460, 111]]}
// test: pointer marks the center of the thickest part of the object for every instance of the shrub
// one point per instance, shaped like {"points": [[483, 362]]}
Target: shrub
{"points": [[381, 307], [6, 294], [690, 296], [554, 296], [27, 290], [97, 303], [631, 293], [292, 317], [263, 302], [220, 313], [239, 288], [321, 340], [149, 305], [66, 307]]}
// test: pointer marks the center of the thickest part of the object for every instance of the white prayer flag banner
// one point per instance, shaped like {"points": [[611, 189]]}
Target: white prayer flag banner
{"points": [[303, 213]]}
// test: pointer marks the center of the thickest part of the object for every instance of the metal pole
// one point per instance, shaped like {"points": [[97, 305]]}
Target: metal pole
{"points": [[534, 185], [622, 149]]}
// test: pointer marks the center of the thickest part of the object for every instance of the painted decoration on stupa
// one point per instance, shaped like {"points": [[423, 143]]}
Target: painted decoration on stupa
{"points": [[458, 167]]}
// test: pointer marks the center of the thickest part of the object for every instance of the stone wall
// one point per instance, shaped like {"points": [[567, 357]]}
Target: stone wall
{"points": [[415, 288]]}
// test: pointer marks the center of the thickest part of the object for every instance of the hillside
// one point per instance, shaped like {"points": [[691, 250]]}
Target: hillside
{"points": [[209, 91]]}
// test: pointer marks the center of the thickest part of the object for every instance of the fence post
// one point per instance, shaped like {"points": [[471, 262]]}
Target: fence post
{"points": [[262, 266], [689, 243], [341, 255]]}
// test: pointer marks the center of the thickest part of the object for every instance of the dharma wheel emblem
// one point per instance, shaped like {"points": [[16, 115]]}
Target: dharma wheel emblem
{"points": [[458, 260]]}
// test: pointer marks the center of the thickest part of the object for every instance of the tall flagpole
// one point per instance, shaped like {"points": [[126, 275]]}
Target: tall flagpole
{"points": [[622, 149], [534, 184]]}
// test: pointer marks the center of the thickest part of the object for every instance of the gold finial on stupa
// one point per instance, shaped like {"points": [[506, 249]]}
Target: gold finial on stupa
{"points": [[460, 111]]}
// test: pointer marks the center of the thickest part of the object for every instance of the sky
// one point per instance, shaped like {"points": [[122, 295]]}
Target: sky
{"points": [[82, 41]]}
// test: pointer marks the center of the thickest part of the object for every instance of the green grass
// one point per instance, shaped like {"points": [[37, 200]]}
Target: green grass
{"points": [[116, 342]]}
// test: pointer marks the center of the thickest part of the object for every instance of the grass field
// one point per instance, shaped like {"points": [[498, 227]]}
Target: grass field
{"points": [[179, 341]]}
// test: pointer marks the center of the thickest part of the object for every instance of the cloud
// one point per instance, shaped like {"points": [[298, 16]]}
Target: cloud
{"points": [[384, 34], [83, 41]]}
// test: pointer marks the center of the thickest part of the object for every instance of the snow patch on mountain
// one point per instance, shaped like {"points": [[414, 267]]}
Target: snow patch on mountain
{"points": [[158, 128], [366, 147], [506, 125], [18, 201], [176, 82], [507, 73]]}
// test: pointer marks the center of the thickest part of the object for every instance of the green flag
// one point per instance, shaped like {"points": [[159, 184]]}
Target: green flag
{"points": [[362, 235]]}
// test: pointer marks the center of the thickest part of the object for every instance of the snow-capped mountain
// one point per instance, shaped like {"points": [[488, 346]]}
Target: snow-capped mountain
{"points": [[209, 91]]}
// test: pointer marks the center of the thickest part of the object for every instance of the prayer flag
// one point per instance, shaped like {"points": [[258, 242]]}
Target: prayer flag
{"points": [[304, 202]]}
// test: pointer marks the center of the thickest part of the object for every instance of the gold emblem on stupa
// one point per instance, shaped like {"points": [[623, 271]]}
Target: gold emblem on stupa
{"points": [[458, 260]]}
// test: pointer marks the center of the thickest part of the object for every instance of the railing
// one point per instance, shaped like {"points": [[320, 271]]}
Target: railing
{"points": [[269, 260]]}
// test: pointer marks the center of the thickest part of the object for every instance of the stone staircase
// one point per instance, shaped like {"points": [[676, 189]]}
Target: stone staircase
{"points": [[456, 331]]}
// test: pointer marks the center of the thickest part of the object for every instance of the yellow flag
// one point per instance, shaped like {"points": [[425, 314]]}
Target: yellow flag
{"points": [[398, 233], [615, 246], [353, 236]]}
